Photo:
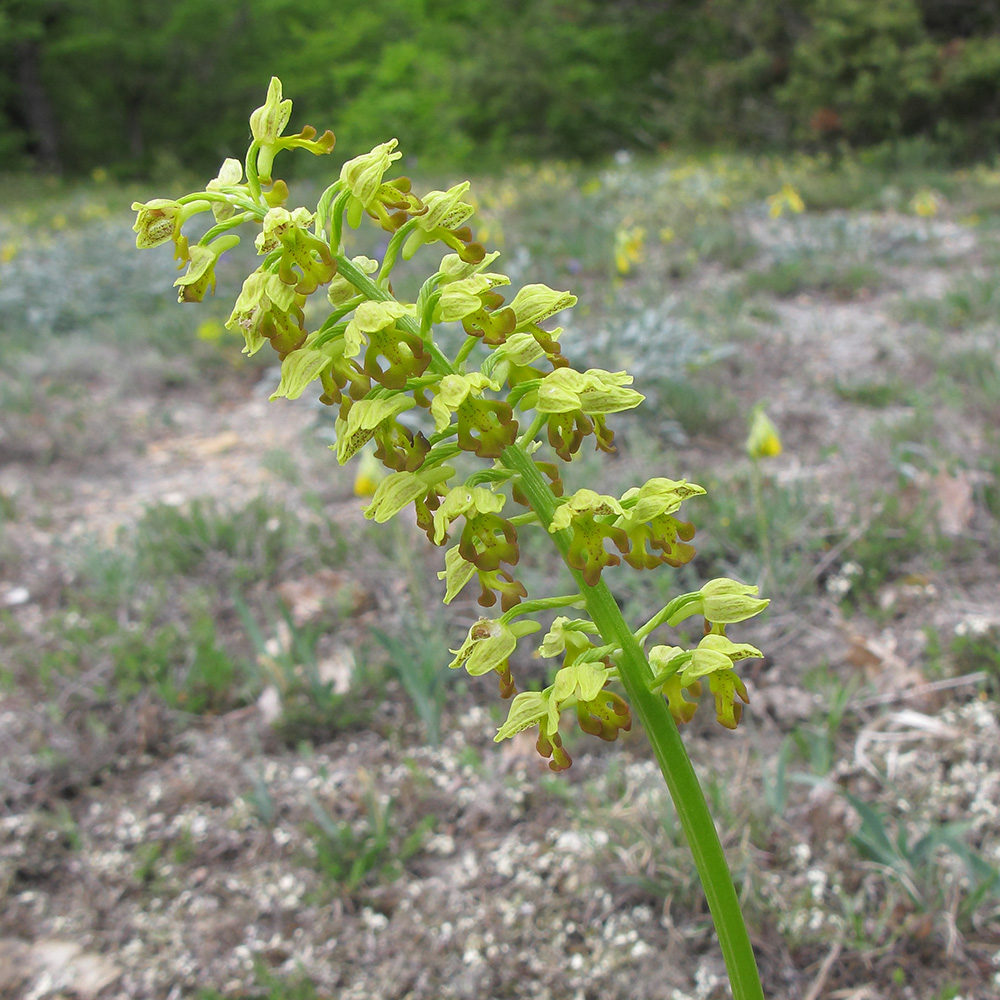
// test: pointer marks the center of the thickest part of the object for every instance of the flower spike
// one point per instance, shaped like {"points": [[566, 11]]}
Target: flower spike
{"points": [[406, 404]]}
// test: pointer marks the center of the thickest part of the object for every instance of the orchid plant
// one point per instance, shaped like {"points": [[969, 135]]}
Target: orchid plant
{"points": [[523, 410]]}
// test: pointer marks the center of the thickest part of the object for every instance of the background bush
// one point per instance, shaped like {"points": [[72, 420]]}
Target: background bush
{"points": [[135, 86]]}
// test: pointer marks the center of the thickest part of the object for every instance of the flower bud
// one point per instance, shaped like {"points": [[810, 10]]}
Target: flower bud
{"points": [[725, 601], [230, 175], [763, 440], [341, 290], [535, 303], [721, 601]]}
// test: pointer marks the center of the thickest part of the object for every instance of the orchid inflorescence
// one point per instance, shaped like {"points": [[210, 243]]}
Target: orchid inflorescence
{"points": [[375, 358]]}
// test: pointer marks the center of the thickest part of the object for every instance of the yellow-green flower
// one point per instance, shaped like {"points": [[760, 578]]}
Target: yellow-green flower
{"points": [[269, 121], [162, 219], [200, 275], [229, 176]]}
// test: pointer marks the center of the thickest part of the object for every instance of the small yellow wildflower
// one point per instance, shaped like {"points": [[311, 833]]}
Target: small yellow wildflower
{"points": [[788, 198], [370, 474], [629, 242], [925, 203], [763, 440], [210, 330]]}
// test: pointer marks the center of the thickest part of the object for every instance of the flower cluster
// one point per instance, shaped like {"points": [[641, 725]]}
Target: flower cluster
{"points": [[405, 404]]}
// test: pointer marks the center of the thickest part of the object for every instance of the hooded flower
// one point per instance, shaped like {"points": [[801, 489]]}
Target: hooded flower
{"points": [[677, 670], [267, 309], [587, 554], [200, 275], [487, 539], [657, 536], [269, 121], [581, 688], [489, 646], [721, 601], [161, 219], [306, 261], [362, 177], [444, 220], [485, 426]]}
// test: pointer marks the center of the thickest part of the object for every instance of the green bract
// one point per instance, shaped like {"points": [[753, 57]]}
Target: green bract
{"points": [[399, 489], [456, 574], [354, 432]]}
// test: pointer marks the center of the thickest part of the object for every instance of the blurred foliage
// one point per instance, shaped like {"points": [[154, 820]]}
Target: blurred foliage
{"points": [[826, 73], [569, 79], [538, 78]]}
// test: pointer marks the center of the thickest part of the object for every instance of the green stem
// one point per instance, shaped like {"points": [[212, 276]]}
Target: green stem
{"points": [[668, 747], [664, 614], [464, 351], [533, 428]]}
